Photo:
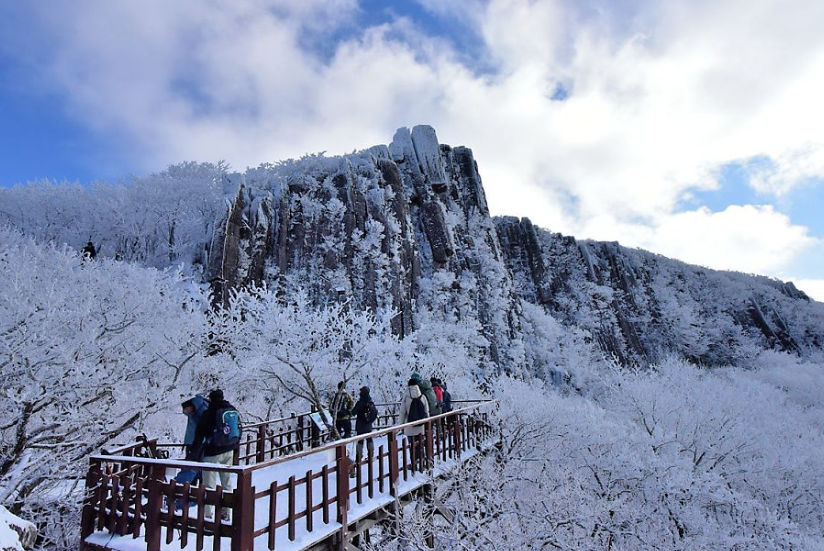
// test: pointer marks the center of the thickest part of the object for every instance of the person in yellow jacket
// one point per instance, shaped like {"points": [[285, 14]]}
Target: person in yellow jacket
{"points": [[342, 405]]}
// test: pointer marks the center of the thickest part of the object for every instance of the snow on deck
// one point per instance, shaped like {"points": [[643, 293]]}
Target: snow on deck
{"points": [[280, 472]]}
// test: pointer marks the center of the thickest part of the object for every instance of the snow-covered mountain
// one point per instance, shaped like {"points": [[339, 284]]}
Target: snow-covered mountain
{"points": [[369, 266], [405, 228], [378, 224]]}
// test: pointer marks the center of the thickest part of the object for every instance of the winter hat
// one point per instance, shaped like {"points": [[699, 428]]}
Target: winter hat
{"points": [[364, 390], [188, 404], [416, 377], [216, 395], [413, 381]]}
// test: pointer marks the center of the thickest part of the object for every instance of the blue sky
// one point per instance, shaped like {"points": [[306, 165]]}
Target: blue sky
{"points": [[690, 128]]}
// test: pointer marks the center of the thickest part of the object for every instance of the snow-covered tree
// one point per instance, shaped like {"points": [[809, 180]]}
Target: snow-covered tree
{"points": [[89, 350]]}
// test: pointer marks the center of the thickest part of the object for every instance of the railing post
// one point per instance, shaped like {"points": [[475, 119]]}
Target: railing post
{"points": [[343, 492], [153, 509], [298, 431], [429, 436], [456, 430], [93, 477], [394, 468], [260, 455], [243, 513]]}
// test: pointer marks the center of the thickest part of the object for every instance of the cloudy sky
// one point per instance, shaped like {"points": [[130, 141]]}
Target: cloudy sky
{"points": [[691, 128]]}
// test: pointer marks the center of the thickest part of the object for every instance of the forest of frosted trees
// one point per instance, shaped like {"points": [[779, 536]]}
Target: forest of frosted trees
{"points": [[669, 455]]}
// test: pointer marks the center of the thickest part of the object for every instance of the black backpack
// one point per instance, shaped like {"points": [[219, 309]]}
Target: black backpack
{"points": [[417, 410], [371, 412]]}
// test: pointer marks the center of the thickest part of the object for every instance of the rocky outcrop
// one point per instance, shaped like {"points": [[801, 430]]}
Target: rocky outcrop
{"points": [[405, 227], [16, 534], [369, 227]]}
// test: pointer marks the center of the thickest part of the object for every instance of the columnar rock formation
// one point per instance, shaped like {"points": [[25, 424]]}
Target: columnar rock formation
{"points": [[369, 227], [402, 226]]}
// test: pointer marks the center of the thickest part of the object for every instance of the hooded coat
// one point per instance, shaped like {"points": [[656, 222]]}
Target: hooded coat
{"points": [[362, 425], [413, 392], [200, 404]]}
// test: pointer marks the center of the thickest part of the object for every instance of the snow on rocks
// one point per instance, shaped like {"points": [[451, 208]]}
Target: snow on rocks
{"points": [[16, 534]]}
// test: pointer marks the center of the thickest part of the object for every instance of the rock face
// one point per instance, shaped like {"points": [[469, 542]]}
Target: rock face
{"points": [[406, 227], [369, 227], [640, 306]]}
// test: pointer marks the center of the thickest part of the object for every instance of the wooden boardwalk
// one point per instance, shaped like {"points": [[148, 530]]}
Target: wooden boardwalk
{"points": [[292, 490]]}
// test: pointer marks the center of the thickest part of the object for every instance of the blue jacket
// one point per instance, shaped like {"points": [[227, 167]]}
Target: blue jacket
{"points": [[200, 404]]}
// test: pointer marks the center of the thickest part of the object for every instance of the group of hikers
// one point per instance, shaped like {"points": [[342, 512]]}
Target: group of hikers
{"points": [[213, 427], [423, 398]]}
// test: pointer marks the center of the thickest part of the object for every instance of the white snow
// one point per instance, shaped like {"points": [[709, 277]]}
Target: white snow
{"points": [[9, 537]]}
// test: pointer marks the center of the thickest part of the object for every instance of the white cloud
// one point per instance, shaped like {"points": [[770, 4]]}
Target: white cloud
{"points": [[727, 239], [813, 287], [661, 95]]}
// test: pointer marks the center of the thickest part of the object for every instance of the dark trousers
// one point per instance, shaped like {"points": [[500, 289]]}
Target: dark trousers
{"points": [[344, 427], [370, 448], [417, 452]]}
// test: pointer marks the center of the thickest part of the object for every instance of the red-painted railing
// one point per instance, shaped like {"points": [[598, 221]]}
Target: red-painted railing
{"points": [[129, 493]]}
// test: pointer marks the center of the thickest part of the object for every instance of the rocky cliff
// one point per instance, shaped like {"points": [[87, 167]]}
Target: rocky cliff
{"points": [[406, 228], [370, 228], [640, 306]]}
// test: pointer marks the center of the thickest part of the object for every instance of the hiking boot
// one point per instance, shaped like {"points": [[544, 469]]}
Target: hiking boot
{"points": [[225, 516]]}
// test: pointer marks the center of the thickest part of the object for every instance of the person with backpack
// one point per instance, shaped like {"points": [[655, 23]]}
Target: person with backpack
{"points": [[446, 402], [415, 407], [365, 414], [88, 252], [426, 389], [218, 432], [342, 405]]}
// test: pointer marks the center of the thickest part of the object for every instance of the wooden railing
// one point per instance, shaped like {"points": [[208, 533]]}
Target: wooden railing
{"points": [[129, 494], [288, 435]]}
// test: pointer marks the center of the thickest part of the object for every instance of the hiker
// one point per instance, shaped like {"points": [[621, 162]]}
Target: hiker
{"points": [[438, 390], [414, 408], [89, 252], [342, 405], [193, 409], [365, 414], [426, 390], [219, 433], [446, 401]]}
